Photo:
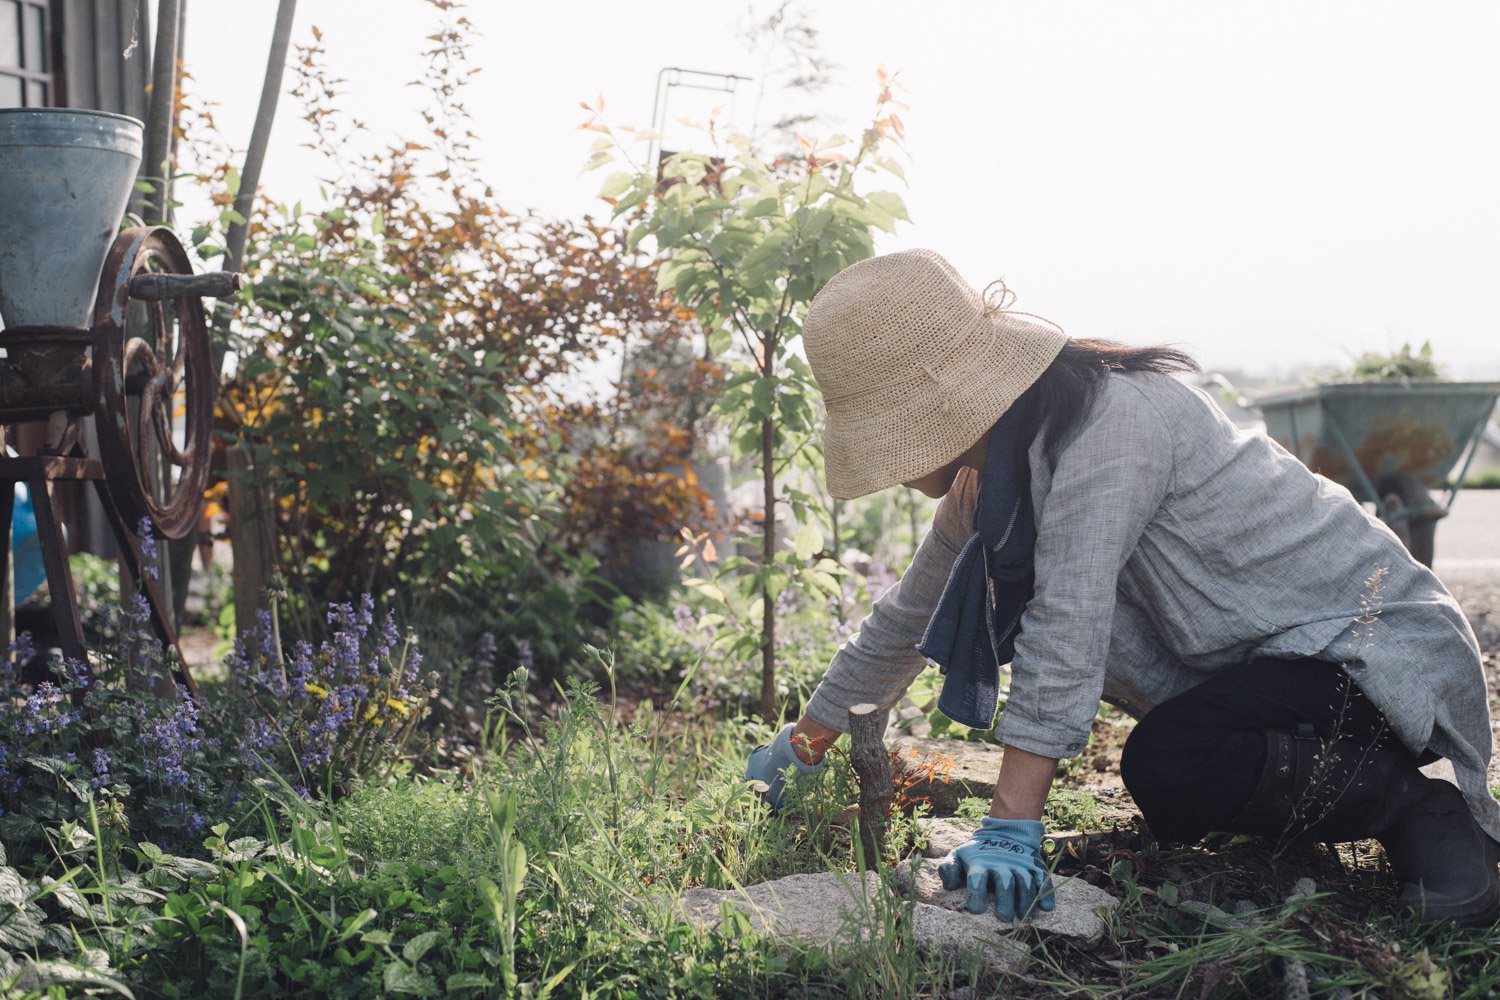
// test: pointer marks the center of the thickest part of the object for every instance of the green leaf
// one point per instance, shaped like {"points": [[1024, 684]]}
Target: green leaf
{"points": [[763, 399], [762, 208], [418, 946], [402, 978], [467, 981], [808, 541], [615, 185]]}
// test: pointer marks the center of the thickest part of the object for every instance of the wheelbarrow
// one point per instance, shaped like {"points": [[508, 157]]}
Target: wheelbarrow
{"points": [[1389, 443]]}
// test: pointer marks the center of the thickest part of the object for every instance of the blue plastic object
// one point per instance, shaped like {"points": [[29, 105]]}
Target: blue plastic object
{"points": [[65, 180], [25, 546]]}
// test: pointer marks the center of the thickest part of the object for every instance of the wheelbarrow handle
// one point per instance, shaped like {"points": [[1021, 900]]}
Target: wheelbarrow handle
{"points": [[211, 285]]}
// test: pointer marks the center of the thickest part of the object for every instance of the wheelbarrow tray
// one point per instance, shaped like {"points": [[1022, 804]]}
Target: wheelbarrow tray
{"points": [[1357, 433]]}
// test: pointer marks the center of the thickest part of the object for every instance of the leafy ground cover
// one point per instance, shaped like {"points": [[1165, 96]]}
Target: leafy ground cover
{"points": [[545, 865]]}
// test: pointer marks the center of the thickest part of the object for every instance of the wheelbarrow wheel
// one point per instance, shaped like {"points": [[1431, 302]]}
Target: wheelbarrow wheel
{"points": [[1401, 493]]}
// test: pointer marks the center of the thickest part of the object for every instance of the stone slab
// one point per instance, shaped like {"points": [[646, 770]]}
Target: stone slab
{"points": [[803, 909], [1075, 916], [945, 932], [945, 835]]}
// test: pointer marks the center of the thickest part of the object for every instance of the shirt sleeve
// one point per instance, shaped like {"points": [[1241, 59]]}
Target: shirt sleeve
{"points": [[1107, 484], [880, 661]]}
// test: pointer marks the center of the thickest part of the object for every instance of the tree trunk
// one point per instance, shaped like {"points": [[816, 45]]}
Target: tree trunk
{"points": [[872, 766], [838, 555], [768, 709], [768, 555]]}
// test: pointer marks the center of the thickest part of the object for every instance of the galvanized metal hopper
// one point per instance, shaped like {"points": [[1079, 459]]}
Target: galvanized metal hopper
{"points": [[65, 179]]}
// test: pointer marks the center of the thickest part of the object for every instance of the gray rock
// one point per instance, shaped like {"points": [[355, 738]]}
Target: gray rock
{"points": [[1075, 916], [945, 835], [960, 934], [809, 910], [1302, 889], [974, 769]]}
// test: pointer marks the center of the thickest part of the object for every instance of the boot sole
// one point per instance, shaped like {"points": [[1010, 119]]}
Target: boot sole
{"points": [[1479, 910]]}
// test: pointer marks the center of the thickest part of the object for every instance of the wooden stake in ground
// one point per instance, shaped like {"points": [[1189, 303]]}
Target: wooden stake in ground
{"points": [[872, 766]]}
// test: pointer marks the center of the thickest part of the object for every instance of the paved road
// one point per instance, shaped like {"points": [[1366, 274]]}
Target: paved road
{"points": [[1468, 539]]}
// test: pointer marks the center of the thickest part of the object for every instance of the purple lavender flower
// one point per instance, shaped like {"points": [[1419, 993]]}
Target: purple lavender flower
{"points": [[302, 670], [101, 770], [149, 554], [389, 637], [81, 672], [21, 651]]}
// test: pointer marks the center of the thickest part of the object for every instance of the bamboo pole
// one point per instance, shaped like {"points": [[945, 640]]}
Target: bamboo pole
{"points": [[260, 138], [252, 529], [872, 766], [155, 167]]}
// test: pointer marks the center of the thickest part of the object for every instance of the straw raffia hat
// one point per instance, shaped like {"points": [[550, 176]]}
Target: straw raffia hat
{"points": [[914, 367]]}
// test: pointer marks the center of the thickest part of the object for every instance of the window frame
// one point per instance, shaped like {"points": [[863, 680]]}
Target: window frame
{"points": [[46, 77]]}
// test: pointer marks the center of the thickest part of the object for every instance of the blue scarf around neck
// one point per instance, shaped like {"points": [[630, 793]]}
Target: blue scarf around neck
{"points": [[974, 627]]}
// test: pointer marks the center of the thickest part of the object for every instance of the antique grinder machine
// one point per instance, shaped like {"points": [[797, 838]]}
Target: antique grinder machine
{"points": [[104, 323]]}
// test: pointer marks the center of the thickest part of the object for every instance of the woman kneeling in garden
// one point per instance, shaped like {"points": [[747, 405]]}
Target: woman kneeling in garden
{"points": [[1106, 531]]}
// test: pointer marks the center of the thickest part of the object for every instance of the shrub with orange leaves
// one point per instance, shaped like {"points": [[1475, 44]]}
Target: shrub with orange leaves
{"points": [[401, 353]]}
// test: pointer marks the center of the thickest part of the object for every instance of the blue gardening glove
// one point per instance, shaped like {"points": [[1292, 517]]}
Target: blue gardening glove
{"points": [[1004, 855], [769, 763]]}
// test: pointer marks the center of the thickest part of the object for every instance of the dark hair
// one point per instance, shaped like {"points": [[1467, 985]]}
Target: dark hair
{"points": [[1062, 397]]}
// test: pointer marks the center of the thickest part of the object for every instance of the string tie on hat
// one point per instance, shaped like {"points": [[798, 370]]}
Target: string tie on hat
{"points": [[997, 297]]}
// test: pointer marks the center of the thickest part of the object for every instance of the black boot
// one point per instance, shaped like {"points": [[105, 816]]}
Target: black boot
{"points": [[1349, 790]]}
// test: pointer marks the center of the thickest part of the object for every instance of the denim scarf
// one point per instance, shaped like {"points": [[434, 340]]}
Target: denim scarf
{"points": [[974, 627]]}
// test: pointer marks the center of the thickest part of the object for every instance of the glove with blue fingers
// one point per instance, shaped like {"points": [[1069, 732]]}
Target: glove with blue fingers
{"points": [[768, 764], [1003, 856]]}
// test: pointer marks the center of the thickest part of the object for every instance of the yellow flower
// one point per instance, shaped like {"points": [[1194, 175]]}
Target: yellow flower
{"points": [[314, 689], [398, 705]]}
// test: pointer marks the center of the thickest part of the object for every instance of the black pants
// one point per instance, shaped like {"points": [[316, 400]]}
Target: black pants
{"points": [[1193, 761]]}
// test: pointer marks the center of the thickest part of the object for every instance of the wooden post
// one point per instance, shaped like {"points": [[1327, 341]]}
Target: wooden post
{"points": [[252, 528], [872, 766]]}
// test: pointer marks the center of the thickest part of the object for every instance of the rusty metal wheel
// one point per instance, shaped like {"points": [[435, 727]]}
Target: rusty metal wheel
{"points": [[153, 387]]}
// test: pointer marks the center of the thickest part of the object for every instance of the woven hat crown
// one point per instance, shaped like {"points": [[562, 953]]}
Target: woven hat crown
{"points": [[914, 368], [887, 319]]}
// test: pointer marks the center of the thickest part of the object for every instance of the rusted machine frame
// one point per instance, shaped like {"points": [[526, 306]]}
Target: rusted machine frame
{"points": [[69, 373]]}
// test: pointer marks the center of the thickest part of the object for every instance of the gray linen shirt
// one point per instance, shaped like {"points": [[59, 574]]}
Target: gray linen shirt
{"points": [[1171, 545]]}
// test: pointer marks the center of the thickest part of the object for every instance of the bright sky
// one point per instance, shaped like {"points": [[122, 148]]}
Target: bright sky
{"points": [[1272, 183]]}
